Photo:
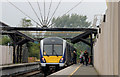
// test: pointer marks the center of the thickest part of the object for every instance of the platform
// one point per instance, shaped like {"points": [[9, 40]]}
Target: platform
{"points": [[14, 69], [76, 70]]}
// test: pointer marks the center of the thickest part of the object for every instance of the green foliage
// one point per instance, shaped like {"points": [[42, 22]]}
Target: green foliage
{"points": [[26, 22], [73, 20], [33, 49], [5, 40]]}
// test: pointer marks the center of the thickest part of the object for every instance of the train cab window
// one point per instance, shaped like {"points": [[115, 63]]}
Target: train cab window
{"points": [[58, 50], [47, 50], [53, 50]]}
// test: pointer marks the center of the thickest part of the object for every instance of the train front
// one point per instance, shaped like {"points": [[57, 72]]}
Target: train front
{"points": [[52, 52]]}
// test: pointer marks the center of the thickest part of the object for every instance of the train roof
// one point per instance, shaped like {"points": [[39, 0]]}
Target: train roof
{"points": [[53, 38]]}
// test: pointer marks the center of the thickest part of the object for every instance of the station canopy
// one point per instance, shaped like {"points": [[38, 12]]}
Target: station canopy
{"points": [[44, 34]]}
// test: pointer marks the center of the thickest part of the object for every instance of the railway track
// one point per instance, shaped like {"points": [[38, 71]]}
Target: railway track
{"points": [[30, 74], [38, 73]]}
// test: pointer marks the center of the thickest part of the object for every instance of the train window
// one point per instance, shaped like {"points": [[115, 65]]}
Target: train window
{"points": [[58, 50], [53, 50], [47, 50]]}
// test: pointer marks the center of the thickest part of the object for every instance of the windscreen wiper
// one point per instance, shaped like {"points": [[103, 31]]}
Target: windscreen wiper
{"points": [[55, 53], [47, 54]]}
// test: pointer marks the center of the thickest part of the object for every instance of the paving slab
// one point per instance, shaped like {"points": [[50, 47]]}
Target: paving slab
{"points": [[86, 70], [78, 70], [66, 71]]}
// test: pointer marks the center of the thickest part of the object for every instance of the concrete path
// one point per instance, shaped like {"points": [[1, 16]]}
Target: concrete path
{"points": [[86, 70], [76, 70]]}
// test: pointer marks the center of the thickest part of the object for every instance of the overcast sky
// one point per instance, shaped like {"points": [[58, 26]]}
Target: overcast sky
{"points": [[12, 16]]}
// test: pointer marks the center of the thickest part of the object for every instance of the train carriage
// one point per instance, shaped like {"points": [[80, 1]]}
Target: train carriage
{"points": [[55, 51]]}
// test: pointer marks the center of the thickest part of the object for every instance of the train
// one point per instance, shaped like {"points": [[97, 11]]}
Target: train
{"points": [[55, 52]]}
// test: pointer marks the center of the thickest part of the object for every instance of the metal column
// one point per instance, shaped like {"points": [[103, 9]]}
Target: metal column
{"points": [[91, 57], [20, 53]]}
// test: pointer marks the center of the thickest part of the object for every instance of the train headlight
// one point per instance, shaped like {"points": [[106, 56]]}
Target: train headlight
{"points": [[61, 60], [43, 59]]}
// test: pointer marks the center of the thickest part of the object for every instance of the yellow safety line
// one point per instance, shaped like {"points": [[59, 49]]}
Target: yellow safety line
{"points": [[75, 70]]}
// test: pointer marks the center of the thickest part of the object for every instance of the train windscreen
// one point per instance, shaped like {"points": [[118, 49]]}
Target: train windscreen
{"points": [[58, 49], [53, 50], [47, 50]]}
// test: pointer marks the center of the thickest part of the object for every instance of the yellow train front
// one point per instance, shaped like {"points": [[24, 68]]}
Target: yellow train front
{"points": [[55, 52]]}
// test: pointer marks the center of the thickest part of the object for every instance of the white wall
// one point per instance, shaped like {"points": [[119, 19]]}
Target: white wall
{"points": [[119, 38], [106, 47], [6, 55]]}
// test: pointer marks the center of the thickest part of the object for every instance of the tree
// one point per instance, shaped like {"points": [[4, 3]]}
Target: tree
{"points": [[73, 20], [69, 21], [33, 49], [5, 40], [26, 22]]}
